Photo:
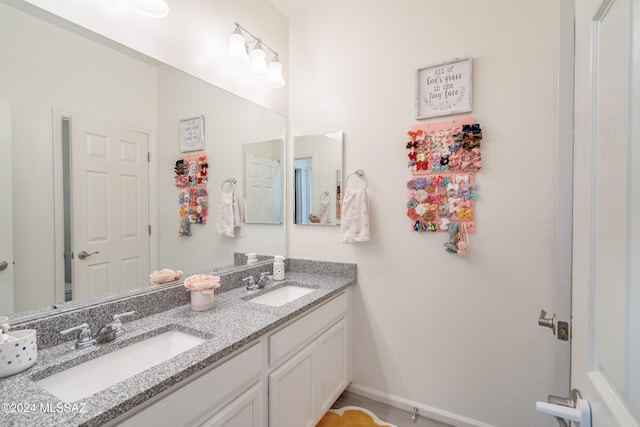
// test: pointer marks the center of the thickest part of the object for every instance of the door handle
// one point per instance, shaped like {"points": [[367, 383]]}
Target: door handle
{"points": [[85, 254], [547, 322], [567, 409], [3, 265]]}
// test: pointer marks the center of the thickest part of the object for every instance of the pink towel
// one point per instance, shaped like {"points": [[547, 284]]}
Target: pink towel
{"points": [[355, 216]]}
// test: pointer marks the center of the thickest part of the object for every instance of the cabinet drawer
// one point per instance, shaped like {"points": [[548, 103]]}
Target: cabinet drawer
{"points": [[283, 343], [204, 395]]}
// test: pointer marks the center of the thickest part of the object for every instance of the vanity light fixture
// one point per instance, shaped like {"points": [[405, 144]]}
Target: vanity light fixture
{"points": [[152, 8], [240, 53]]}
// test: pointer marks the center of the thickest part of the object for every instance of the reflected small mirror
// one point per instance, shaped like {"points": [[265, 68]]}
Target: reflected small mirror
{"points": [[317, 165], [263, 182]]}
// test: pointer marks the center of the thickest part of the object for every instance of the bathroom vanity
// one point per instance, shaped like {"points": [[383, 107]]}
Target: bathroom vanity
{"points": [[258, 364]]}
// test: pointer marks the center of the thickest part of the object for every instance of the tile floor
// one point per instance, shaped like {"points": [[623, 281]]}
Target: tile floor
{"points": [[386, 413]]}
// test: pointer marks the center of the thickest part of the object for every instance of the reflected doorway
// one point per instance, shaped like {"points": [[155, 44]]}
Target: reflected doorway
{"points": [[103, 231], [303, 181]]}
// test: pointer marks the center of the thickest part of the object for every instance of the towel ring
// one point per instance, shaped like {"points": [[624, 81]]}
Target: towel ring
{"points": [[231, 181], [360, 174]]}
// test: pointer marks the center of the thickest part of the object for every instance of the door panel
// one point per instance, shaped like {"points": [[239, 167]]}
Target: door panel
{"points": [[606, 280], [262, 190]]}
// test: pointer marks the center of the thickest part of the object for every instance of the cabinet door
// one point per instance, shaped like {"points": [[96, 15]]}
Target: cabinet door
{"points": [[292, 399], [245, 411], [333, 364]]}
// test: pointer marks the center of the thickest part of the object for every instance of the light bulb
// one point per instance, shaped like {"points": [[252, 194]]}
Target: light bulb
{"points": [[237, 48], [258, 67], [274, 77]]}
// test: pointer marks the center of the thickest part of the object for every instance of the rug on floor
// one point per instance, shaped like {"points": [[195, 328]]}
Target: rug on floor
{"points": [[351, 416]]}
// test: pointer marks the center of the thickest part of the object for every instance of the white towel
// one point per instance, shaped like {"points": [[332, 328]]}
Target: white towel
{"points": [[324, 211], [228, 215], [355, 216]]}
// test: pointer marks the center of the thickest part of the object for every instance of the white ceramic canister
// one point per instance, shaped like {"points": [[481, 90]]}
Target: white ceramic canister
{"points": [[202, 300], [278, 267], [19, 354]]}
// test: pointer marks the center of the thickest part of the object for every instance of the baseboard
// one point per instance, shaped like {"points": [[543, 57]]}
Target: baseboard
{"points": [[407, 405]]}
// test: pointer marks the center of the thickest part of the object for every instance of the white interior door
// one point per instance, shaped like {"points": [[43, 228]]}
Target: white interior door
{"points": [[606, 242], [110, 207], [6, 230], [262, 196]]}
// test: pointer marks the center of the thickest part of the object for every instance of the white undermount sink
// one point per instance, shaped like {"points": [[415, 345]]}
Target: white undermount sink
{"points": [[281, 296], [97, 374]]}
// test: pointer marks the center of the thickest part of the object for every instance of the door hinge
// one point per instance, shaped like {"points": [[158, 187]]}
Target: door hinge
{"points": [[148, 156], [149, 229]]}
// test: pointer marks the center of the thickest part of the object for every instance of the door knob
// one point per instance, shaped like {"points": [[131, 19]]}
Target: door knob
{"points": [[3, 265], [547, 322], [85, 254]]}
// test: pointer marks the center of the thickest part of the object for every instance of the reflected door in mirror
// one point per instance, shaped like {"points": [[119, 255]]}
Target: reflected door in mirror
{"points": [[110, 207]]}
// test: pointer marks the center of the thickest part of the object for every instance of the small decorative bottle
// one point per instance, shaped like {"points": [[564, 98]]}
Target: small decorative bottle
{"points": [[252, 257], [278, 267]]}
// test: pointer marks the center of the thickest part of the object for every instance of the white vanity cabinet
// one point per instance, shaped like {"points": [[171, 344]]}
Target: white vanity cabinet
{"points": [[231, 394], [310, 363], [288, 378]]}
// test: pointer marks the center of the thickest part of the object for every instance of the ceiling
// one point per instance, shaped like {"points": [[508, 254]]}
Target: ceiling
{"points": [[293, 7]]}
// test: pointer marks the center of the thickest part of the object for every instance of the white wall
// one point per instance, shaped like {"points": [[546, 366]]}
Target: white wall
{"points": [[455, 334], [193, 37]]}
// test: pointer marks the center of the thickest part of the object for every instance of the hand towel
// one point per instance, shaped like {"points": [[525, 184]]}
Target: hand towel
{"points": [[354, 226], [324, 211], [228, 217]]}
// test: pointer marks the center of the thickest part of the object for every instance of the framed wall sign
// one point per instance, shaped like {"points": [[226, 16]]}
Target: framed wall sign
{"points": [[192, 134], [444, 88]]}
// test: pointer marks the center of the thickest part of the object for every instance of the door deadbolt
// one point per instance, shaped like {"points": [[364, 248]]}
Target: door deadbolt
{"points": [[550, 322]]}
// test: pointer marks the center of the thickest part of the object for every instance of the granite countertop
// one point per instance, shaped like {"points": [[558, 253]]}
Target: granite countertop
{"points": [[229, 326]]}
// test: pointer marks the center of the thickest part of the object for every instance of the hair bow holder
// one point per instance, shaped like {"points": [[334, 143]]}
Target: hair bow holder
{"points": [[191, 178], [443, 160]]}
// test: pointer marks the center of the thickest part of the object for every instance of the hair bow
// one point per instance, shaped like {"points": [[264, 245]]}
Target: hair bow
{"points": [[452, 190], [462, 178], [464, 213]]}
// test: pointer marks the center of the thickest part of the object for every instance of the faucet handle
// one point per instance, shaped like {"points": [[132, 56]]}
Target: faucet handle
{"points": [[250, 282], [117, 323], [84, 333], [120, 315]]}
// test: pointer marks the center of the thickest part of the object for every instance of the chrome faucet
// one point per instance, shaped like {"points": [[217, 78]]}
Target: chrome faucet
{"points": [[252, 284], [105, 334]]}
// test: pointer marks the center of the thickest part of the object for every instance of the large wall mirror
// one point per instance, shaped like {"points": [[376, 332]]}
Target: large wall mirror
{"points": [[317, 178], [64, 82]]}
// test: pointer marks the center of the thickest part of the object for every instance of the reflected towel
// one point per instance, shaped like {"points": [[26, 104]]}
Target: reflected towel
{"points": [[228, 215], [324, 211], [354, 226]]}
